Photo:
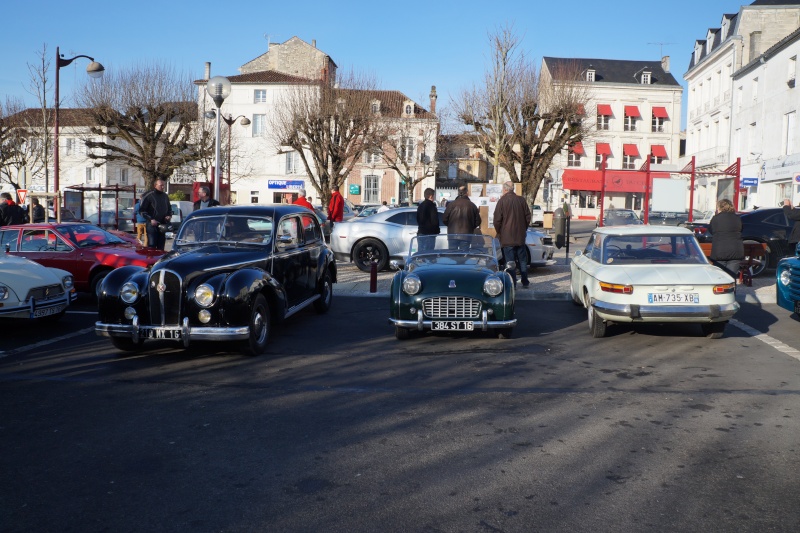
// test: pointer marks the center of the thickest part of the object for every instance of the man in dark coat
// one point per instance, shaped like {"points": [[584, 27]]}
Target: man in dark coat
{"points": [[792, 213], [512, 216], [427, 221], [10, 212], [38, 211], [156, 209], [461, 217], [204, 198], [727, 247]]}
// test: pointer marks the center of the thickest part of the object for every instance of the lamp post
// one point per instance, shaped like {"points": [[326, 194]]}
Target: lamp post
{"points": [[218, 88], [95, 70], [230, 122]]}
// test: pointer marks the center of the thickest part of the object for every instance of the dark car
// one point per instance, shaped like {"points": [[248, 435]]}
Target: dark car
{"points": [[233, 273], [123, 221], [672, 218], [766, 225], [620, 217], [87, 252]]}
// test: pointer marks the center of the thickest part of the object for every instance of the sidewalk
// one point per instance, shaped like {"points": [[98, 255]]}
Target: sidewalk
{"points": [[547, 283]]}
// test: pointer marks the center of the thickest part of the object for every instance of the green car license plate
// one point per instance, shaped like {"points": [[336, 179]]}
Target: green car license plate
{"points": [[451, 325], [161, 333]]}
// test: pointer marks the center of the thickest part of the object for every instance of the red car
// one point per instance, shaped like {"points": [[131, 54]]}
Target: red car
{"points": [[82, 249]]}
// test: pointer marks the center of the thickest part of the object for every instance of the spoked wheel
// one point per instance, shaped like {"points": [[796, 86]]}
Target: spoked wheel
{"points": [[759, 259], [368, 251], [402, 333], [714, 330], [259, 327], [597, 326], [322, 304]]}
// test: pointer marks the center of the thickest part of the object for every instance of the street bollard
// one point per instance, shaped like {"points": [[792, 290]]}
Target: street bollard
{"points": [[373, 277]]}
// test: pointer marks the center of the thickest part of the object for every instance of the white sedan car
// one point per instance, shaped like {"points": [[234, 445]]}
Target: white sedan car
{"points": [[29, 290], [650, 274]]}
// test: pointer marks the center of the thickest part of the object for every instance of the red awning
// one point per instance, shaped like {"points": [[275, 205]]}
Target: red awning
{"points": [[604, 110], [660, 112], [632, 111], [577, 148], [630, 150], [602, 148], [658, 150]]}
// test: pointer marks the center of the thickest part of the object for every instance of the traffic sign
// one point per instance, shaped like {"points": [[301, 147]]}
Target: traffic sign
{"points": [[22, 194], [748, 182]]}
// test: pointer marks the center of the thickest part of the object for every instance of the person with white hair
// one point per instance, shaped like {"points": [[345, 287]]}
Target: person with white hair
{"points": [[301, 199]]}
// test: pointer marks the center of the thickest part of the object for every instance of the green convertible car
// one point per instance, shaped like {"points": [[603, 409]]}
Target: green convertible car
{"points": [[452, 283]]}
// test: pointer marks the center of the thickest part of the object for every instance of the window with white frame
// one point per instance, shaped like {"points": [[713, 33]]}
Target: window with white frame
{"points": [[403, 196], [630, 123], [407, 149], [739, 97], [792, 71], [603, 122], [123, 176], [259, 96], [598, 161], [629, 162], [259, 125], [656, 160], [658, 125], [573, 159], [787, 139], [371, 190], [91, 175], [755, 89], [70, 146], [293, 163], [590, 75], [372, 157], [751, 139], [646, 78]]}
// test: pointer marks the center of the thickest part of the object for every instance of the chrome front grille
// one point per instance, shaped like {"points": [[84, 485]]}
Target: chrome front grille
{"points": [[164, 292], [46, 292], [451, 307]]}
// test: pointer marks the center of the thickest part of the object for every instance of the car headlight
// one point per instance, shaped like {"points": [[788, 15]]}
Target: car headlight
{"points": [[204, 295], [785, 278], [412, 285], [68, 282], [129, 292], [492, 286], [3, 292]]}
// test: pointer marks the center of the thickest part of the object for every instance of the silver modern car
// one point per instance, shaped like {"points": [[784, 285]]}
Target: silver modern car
{"points": [[385, 236]]}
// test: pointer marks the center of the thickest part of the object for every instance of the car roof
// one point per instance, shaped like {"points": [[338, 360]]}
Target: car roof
{"points": [[275, 210], [643, 229]]}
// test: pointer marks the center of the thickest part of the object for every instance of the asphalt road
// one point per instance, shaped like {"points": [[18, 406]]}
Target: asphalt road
{"points": [[340, 427]]}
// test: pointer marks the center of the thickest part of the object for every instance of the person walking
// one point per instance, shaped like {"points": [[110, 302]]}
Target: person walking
{"points": [[512, 216], [10, 212], [141, 223], [336, 207], [792, 213], [427, 221], [461, 217], [302, 201], [204, 198], [727, 247], [156, 210]]}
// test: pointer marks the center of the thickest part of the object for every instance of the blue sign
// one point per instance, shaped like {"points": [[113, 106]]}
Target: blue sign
{"points": [[286, 184], [748, 182]]}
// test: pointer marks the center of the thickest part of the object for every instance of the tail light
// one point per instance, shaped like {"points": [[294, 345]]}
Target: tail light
{"points": [[724, 289], [619, 289]]}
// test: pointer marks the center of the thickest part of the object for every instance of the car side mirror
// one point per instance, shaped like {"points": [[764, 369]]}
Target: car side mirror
{"points": [[395, 264]]}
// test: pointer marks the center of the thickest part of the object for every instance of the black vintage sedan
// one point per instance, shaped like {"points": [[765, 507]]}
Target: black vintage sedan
{"points": [[233, 272]]}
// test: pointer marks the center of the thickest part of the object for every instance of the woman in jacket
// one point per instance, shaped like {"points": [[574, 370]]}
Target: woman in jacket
{"points": [[727, 248]]}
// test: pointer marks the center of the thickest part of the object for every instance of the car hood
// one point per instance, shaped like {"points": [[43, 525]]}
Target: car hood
{"points": [[676, 275], [19, 269], [128, 251], [437, 277], [209, 258]]}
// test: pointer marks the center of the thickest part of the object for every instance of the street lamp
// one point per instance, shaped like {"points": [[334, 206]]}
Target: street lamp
{"points": [[218, 88], [95, 70], [229, 121]]}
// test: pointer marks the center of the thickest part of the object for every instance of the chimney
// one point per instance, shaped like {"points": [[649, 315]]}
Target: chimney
{"points": [[665, 64], [433, 99], [208, 70], [314, 43]]}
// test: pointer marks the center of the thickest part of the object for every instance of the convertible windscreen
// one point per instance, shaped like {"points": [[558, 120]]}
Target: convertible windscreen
{"points": [[257, 230], [452, 249], [652, 249]]}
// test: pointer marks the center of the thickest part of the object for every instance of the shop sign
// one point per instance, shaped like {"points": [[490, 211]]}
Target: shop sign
{"points": [[286, 184]]}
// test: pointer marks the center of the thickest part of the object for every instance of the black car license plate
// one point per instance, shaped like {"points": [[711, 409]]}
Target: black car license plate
{"points": [[161, 333], [451, 325]]}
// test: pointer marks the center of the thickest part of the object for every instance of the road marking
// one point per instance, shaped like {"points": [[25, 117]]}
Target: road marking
{"points": [[766, 339], [46, 342]]}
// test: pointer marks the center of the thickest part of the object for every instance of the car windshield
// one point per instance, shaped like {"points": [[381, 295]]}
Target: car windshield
{"points": [[225, 228], [87, 235], [652, 249], [452, 249]]}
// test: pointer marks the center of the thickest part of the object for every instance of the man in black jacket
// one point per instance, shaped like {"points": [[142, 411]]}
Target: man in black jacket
{"points": [[10, 213], [156, 209], [512, 216], [427, 221], [462, 217], [205, 200]]}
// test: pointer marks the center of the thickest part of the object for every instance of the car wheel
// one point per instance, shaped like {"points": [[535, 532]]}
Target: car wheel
{"points": [[368, 251], [323, 303], [259, 327], [714, 330], [402, 334], [127, 345], [597, 325], [94, 284], [575, 299], [505, 333], [759, 263]]}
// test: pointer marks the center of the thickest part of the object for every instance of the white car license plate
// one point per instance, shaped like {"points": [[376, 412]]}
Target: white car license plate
{"points": [[673, 298], [161, 333], [39, 313], [456, 325]]}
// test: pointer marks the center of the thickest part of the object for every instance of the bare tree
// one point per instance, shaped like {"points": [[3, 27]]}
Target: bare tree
{"points": [[36, 124], [12, 143], [147, 113], [330, 125], [523, 120]]}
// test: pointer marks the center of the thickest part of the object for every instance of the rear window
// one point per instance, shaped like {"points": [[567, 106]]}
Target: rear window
{"points": [[652, 249]]}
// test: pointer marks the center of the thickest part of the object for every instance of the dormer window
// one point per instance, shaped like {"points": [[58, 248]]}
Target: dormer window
{"points": [[408, 108], [376, 107], [646, 77], [590, 75]]}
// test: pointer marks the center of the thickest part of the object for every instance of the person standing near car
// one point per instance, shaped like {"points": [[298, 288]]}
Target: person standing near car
{"points": [[301, 200], [140, 223], [204, 199], [461, 215], [156, 210], [336, 207], [10, 212], [38, 211], [727, 247], [792, 213], [512, 216], [427, 221]]}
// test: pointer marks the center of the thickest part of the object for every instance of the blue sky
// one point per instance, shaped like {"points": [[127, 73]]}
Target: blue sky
{"points": [[407, 46]]}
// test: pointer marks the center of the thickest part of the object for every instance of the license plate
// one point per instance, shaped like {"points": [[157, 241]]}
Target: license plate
{"points": [[39, 313], [452, 326], [161, 333], [673, 298]]}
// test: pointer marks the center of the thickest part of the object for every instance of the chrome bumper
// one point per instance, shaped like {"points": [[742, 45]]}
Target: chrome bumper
{"points": [[666, 313], [484, 324], [187, 333]]}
